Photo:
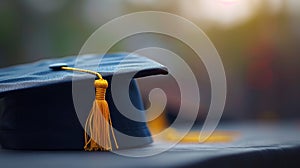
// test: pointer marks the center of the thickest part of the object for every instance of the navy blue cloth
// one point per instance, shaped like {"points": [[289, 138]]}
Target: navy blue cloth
{"points": [[37, 109], [38, 74]]}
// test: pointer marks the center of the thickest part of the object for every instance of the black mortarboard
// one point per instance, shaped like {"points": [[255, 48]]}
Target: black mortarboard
{"points": [[38, 109]]}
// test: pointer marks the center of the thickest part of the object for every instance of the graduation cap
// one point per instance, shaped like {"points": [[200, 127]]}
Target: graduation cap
{"points": [[38, 110]]}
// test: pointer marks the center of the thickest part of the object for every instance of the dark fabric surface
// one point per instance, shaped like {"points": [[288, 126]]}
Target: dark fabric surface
{"points": [[259, 145], [279, 157]]}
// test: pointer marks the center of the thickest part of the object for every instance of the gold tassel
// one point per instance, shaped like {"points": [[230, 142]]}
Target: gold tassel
{"points": [[98, 126], [98, 123]]}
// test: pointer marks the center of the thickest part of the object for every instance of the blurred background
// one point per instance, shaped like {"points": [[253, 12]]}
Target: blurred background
{"points": [[258, 41]]}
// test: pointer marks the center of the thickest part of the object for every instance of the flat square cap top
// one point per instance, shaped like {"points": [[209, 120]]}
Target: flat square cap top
{"points": [[39, 74]]}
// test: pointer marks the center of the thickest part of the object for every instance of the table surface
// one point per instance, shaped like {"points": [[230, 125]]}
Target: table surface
{"points": [[259, 144]]}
